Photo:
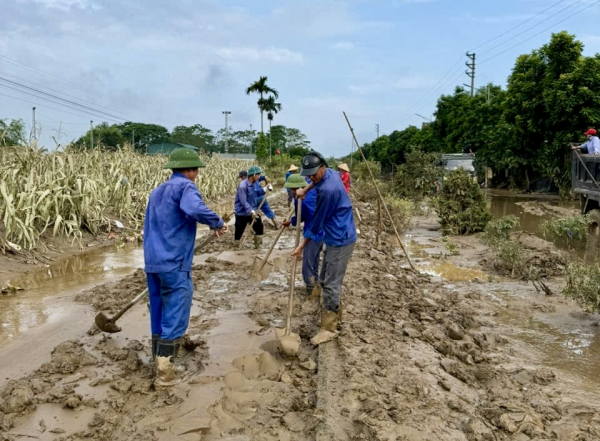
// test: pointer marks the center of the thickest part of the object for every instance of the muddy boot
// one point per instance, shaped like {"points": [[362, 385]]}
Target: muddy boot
{"points": [[257, 242], [275, 225], [328, 331], [316, 292], [165, 368], [155, 338]]}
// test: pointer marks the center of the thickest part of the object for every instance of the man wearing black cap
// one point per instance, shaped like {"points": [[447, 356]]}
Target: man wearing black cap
{"points": [[243, 175], [334, 217]]}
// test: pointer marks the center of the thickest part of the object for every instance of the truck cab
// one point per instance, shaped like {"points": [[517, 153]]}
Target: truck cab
{"points": [[453, 161], [585, 174]]}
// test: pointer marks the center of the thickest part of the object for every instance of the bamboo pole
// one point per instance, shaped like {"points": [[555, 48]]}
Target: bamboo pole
{"points": [[379, 193]]}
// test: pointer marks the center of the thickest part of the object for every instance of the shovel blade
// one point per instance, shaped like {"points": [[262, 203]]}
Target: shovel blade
{"points": [[105, 324], [259, 274]]}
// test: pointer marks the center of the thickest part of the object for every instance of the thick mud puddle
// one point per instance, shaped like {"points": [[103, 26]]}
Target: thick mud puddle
{"points": [[44, 295]]}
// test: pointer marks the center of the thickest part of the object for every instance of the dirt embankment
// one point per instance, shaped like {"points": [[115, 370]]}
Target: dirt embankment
{"points": [[416, 359]]}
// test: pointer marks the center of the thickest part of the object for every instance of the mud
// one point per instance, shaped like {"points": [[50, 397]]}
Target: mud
{"points": [[452, 354]]}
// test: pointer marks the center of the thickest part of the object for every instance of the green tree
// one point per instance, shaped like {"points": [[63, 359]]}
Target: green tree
{"points": [[272, 108], [196, 135], [261, 88], [144, 134], [103, 135], [262, 150], [12, 133]]}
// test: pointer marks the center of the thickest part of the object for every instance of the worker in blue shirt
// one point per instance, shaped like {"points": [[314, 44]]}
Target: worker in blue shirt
{"points": [[335, 219], [260, 195], [291, 170], [174, 208], [312, 251], [592, 146], [245, 207]]}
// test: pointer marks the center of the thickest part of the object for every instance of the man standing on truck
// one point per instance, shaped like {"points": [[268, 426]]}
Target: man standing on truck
{"points": [[592, 146]]}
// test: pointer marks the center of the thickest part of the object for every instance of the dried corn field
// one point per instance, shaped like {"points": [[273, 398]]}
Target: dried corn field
{"points": [[66, 193]]}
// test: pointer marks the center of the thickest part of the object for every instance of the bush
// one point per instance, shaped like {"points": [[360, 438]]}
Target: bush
{"points": [[360, 171], [419, 175], [507, 253], [583, 284], [461, 205], [262, 149], [499, 229], [402, 211], [571, 229]]}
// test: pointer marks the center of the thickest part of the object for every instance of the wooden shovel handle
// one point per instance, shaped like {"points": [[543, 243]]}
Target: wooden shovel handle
{"points": [[264, 262], [288, 319]]}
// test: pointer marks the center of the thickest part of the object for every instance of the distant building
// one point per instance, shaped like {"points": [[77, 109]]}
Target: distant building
{"points": [[165, 148], [245, 156]]}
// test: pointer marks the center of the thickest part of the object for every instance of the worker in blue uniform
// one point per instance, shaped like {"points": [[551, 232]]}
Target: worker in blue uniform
{"points": [[260, 195], [312, 251], [335, 219], [245, 207], [174, 209]]}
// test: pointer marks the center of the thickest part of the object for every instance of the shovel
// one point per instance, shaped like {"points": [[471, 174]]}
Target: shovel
{"points": [[260, 267], [106, 324], [289, 342], [247, 232], [211, 236]]}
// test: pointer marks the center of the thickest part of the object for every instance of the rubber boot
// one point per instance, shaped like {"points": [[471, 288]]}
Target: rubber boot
{"points": [[316, 292], [275, 225], [166, 374], [257, 242], [328, 331], [155, 338]]}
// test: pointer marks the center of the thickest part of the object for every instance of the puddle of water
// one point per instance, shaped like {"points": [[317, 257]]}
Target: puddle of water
{"points": [[453, 273], [571, 346], [38, 303]]}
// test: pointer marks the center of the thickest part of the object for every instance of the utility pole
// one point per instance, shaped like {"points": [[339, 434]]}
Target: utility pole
{"points": [[226, 113], [33, 135], [377, 130], [250, 146], [133, 139], [471, 73], [92, 133], [489, 98]]}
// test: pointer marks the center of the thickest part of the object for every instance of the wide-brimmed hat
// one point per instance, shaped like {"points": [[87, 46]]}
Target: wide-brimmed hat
{"points": [[293, 168], [254, 170], [344, 167]]}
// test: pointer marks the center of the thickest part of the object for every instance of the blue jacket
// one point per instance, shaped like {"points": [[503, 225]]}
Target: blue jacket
{"points": [[173, 210], [308, 211], [287, 175], [245, 199], [259, 191], [333, 213]]}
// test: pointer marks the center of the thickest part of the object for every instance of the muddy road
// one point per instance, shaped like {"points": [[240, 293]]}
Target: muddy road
{"points": [[455, 352]]}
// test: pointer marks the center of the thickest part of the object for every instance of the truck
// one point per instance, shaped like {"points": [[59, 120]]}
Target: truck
{"points": [[452, 161]]}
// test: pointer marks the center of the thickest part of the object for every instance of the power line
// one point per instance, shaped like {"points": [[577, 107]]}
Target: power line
{"points": [[60, 103], [534, 26], [55, 78], [48, 89], [517, 26], [55, 97], [541, 32]]}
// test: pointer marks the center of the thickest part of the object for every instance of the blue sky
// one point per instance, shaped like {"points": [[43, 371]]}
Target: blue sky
{"points": [[184, 61]]}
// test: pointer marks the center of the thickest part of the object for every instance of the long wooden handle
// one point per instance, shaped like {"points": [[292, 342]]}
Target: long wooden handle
{"points": [[211, 236], [264, 262], [247, 232], [288, 320], [380, 196], [129, 305]]}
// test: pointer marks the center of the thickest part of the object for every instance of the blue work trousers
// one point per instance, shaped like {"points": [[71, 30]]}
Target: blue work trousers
{"points": [[311, 256], [170, 303], [266, 209]]}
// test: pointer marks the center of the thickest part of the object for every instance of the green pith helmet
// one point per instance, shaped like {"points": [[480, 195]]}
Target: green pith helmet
{"points": [[254, 170], [184, 158], [295, 181]]}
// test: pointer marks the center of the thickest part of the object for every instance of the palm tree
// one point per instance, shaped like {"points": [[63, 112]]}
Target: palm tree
{"points": [[272, 108], [261, 88]]}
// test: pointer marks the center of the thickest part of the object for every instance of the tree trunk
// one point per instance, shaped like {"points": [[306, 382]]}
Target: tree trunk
{"points": [[270, 159]]}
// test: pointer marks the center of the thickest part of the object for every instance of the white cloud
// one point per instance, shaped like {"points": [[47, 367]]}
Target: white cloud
{"points": [[272, 54], [342, 45]]}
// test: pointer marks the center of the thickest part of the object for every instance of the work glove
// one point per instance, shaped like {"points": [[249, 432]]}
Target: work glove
{"points": [[269, 187], [253, 213]]}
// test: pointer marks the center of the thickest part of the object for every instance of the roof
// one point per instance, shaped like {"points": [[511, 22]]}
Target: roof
{"points": [[168, 147]]}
